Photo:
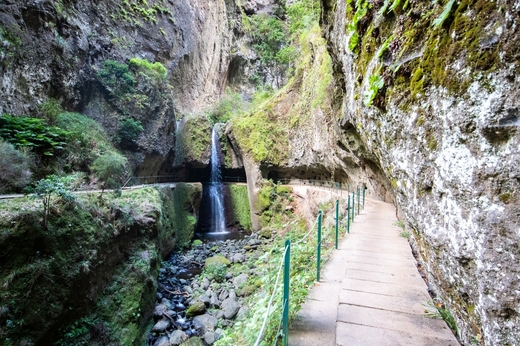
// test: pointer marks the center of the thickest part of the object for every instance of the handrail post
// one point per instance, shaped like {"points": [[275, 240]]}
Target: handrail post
{"points": [[337, 222], [358, 199], [348, 215], [353, 205], [319, 247], [364, 189], [286, 283]]}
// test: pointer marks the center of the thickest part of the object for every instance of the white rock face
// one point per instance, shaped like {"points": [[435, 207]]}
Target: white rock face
{"points": [[452, 158]]}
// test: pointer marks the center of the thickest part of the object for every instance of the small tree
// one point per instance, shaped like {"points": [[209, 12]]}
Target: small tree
{"points": [[53, 185], [110, 168]]}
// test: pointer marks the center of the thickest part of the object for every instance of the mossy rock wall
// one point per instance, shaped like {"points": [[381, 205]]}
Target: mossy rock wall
{"points": [[90, 278], [240, 212], [429, 88]]}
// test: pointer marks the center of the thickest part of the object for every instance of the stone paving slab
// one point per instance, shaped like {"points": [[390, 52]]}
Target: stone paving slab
{"points": [[364, 258], [384, 302], [392, 320], [356, 335], [385, 288], [403, 278], [380, 267], [370, 293]]}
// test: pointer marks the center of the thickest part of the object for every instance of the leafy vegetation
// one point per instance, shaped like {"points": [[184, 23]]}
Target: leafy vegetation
{"points": [[270, 42], [34, 133], [105, 250], [441, 312], [110, 168], [86, 140], [362, 7], [133, 11], [53, 186], [154, 70], [229, 106], [128, 131], [264, 131], [287, 225], [375, 83], [444, 15], [15, 167], [50, 110], [117, 78]]}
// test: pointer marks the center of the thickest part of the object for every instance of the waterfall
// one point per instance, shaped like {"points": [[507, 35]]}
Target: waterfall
{"points": [[216, 195]]}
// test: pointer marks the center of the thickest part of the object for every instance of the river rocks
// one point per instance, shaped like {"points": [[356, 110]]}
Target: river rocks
{"points": [[240, 280], [230, 308], [159, 310], [206, 323], [197, 308], [178, 337], [161, 326], [162, 341], [183, 298], [218, 260]]}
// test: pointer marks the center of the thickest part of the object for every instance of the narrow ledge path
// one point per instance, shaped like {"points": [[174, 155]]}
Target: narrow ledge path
{"points": [[370, 292]]}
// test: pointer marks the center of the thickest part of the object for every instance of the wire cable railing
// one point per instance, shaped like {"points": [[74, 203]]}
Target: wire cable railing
{"points": [[282, 330]]}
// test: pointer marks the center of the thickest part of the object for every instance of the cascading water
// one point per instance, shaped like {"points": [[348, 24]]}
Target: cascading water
{"points": [[216, 195]]}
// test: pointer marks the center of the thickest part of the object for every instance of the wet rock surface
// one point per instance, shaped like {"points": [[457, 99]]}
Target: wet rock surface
{"points": [[193, 305]]}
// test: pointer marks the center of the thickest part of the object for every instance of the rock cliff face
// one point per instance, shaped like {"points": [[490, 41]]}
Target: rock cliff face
{"points": [[56, 49], [431, 91]]}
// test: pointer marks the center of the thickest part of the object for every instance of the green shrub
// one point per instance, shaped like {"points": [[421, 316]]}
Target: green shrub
{"points": [[215, 271], [128, 131], [34, 133], [116, 77], [230, 105], [50, 109], [110, 168], [154, 70], [15, 167]]}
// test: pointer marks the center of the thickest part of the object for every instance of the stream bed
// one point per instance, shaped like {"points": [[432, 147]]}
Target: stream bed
{"points": [[191, 306]]}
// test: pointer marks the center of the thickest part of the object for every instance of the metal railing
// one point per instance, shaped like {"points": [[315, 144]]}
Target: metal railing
{"points": [[350, 211]]}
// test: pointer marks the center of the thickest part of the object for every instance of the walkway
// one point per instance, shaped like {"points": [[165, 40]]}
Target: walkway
{"points": [[370, 292]]}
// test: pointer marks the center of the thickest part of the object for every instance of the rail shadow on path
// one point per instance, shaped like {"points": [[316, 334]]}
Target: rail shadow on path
{"points": [[370, 292]]}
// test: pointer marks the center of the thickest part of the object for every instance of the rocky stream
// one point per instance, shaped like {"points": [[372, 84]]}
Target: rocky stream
{"points": [[201, 291]]}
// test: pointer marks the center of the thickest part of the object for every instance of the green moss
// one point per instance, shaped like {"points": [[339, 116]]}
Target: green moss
{"points": [[153, 70], [416, 82], [420, 121], [217, 260], [184, 221], [240, 205], [81, 254], [505, 197], [432, 143], [195, 309], [194, 141]]}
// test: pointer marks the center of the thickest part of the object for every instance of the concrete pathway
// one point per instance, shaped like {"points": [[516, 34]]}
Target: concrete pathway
{"points": [[370, 292]]}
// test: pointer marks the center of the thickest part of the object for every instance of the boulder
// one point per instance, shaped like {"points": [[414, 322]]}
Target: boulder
{"points": [[230, 307], [178, 337], [161, 325], [206, 323], [197, 308]]}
